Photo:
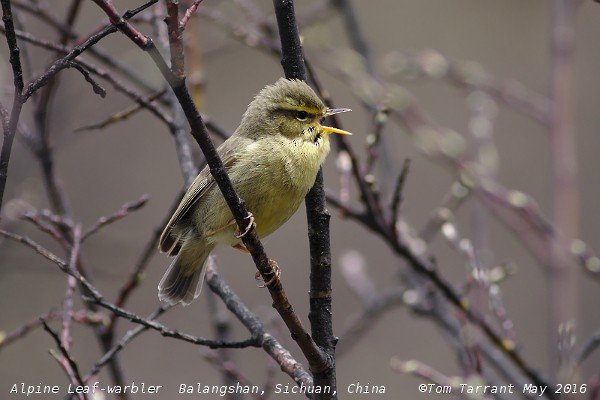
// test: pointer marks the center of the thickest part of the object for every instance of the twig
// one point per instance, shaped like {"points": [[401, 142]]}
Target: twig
{"points": [[368, 196], [38, 249], [588, 347], [188, 13], [99, 90], [59, 64], [54, 228], [427, 269], [451, 202], [97, 298], [353, 30], [360, 323], [40, 10], [129, 336], [397, 197], [140, 99], [120, 214], [23, 330], [71, 285], [168, 332], [241, 32], [73, 369], [118, 116], [172, 35], [380, 119]]}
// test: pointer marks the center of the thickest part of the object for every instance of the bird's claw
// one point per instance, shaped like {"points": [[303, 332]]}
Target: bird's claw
{"points": [[275, 271], [250, 225]]}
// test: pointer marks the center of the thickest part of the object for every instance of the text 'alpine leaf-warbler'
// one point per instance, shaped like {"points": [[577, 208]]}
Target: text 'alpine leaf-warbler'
{"points": [[272, 160]]}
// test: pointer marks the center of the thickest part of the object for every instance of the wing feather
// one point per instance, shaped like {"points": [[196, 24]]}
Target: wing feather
{"points": [[171, 238]]}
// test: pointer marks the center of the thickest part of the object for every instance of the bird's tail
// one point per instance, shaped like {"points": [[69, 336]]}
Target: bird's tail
{"points": [[183, 280]]}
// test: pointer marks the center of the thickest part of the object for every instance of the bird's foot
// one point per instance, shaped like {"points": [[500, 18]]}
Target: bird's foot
{"points": [[275, 272], [250, 225]]}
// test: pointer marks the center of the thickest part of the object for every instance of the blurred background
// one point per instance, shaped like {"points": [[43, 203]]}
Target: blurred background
{"points": [[100, 170]]}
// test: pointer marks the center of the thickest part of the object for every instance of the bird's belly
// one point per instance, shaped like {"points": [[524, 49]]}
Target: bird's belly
{"points": [[272, 189], [273, 211], [270, 209]]}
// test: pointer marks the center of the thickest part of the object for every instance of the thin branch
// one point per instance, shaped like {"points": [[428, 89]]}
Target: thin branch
{"points": [[38, 249], [120, 214], [426, 268], [41, 11], [119, 116], [59, 64], [49, 223], [354, 32], [374, 139], [451, 202], [397, 196], [97, 298], [129, 336], [141, 100], [168, 332], [23, 330], [73, 369], [99, 90], [188, 13], [167, 38], [588, 347]]}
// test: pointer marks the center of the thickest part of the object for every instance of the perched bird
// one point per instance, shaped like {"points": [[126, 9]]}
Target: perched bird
{"points": [[272, 160]]}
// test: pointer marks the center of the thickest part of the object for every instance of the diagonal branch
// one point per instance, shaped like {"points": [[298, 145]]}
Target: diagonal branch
{"points": [[10, 128]]}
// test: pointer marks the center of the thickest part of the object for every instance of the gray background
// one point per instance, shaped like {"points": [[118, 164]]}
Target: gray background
{"points": [[101, 170]]}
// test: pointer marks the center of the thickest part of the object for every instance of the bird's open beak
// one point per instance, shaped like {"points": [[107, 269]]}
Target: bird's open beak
{"points": [[332, 111]]}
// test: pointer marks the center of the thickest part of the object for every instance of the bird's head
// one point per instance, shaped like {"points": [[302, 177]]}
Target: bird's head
{"points": [[292, 109]]}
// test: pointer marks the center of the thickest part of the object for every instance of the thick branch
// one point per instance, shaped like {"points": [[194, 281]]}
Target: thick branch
{"points": [[320, 315]]}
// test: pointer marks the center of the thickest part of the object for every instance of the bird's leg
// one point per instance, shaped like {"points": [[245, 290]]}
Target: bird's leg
{"points": [[275, 271], [241, 248], [237, 229], [250, 225]]}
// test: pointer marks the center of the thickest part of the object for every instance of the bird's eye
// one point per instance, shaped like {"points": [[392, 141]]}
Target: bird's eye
{"points": [[301, 115]]}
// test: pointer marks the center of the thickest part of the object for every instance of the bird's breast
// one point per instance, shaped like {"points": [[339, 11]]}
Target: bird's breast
{"points": [[277, 177]]}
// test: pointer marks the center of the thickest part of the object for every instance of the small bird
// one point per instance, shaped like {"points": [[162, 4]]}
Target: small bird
{"points": [[272, 160]]}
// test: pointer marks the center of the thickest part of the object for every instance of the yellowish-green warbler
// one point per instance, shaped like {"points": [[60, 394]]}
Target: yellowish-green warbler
{"points": [[272, 160]]}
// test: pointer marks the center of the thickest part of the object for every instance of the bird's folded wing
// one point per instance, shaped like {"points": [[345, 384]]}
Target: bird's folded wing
{"points": [[170, 239]]}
